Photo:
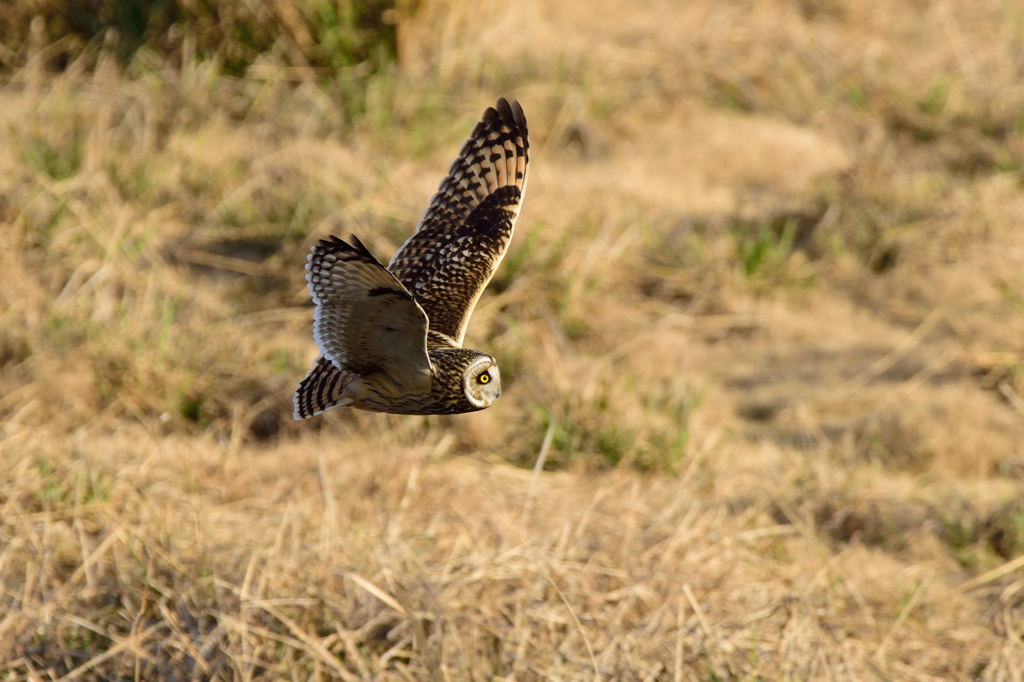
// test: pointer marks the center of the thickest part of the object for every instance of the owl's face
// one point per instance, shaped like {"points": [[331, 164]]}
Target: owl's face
{"points": [[482, 382]]}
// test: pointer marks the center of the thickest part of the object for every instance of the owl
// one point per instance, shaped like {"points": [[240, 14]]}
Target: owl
{"points": [[391, 338]]}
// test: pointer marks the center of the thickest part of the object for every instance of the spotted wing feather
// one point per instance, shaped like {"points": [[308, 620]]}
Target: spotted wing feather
{"points": [[365, 320], [464, 233]]}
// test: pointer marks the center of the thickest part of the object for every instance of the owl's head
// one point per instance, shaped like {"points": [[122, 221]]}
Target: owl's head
{"points": [[482, 382]]}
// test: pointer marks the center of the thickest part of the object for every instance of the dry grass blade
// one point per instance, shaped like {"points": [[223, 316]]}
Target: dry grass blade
{"points": [[877, 672], [915, 598], [576, 621], [677, 669], [134, 643], [992, 575], [1012, 397], [224, 263], [377, 592], [315, 647], [716, 644], [542, 457], [900, 351]]}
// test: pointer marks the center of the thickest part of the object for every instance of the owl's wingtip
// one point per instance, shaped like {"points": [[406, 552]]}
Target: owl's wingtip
{"points": [[334, 244], [504, 110], [517, 115], [510, 113]]}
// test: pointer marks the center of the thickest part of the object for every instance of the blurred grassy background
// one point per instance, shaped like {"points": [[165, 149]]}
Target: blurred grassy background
{"points": [[764, 313]]}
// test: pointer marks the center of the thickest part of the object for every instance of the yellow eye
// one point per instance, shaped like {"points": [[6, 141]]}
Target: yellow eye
{"points": [[484, 378]]}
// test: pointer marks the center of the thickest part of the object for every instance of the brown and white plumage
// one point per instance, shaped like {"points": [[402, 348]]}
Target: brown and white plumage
{"points": [[391, 337], [466, 230]]}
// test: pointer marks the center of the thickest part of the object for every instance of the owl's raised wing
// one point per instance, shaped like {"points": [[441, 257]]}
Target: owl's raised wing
{"points": [[365, 320], [464, 233]]}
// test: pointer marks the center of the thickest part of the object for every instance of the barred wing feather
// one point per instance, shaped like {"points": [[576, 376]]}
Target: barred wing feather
{"points": [[321, 389]]}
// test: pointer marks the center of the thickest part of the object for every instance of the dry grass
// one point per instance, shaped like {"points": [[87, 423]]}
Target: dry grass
{"points": [[764, 316]]}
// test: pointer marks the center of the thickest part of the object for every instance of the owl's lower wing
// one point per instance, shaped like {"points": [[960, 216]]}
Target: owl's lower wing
{"points": [[321, 389], [467, 228], [365, 320]]}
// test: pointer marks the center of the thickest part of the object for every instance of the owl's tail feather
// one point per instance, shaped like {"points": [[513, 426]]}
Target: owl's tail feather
{"points": [[322, 389]]}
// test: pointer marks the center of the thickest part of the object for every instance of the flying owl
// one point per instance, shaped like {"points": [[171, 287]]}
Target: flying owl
{"points": [[391, 338]]}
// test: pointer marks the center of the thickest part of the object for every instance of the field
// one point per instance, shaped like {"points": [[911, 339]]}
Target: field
{"points": [[761, 325]]}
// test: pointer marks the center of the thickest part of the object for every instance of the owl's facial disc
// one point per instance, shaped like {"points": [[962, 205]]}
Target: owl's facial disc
{"points": [[482, 382]]}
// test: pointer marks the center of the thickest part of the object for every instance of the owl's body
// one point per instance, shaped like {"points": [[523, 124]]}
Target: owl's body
{"points": [[377, 392], [391, 338]]}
